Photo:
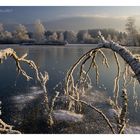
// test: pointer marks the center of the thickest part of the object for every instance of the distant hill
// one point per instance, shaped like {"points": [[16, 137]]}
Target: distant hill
{"points": [[80, 23], [77, 23]]}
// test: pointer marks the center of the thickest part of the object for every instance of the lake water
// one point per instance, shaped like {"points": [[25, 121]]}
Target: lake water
{"points": [[17, 94]]}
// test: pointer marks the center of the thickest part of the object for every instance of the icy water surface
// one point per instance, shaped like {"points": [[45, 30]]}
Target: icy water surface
{"points": [[22, 101]]}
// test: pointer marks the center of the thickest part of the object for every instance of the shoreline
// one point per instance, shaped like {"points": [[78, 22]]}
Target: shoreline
{"points": [[17, 44]]}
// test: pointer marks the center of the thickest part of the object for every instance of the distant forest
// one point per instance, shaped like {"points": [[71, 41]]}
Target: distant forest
{"points": [[130, 37]]}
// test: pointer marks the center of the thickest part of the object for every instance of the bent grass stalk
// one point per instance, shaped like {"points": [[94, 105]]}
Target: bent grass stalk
{"points": [[131, 62], [42, 79], [116, 81]]}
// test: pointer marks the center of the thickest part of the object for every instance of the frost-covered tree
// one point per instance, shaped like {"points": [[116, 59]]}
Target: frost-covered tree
{"points": [[61, 37], [80, 36], [21, 33], [83, 36], [70, 36], [5, 36], [1, 27], [115, 38], [53, 37], [123, 40], [132, 31], [109, 37], [1, 30], [39, 33], [86, 36]]}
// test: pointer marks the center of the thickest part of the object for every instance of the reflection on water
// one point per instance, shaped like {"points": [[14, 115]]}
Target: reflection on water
{"points": [[21, 100]]}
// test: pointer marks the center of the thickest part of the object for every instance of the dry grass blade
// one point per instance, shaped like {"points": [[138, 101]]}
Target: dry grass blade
{"points": [[97, 110], [122, 118], [6, 128], [116, 81], [42, 79], [50, 119]]}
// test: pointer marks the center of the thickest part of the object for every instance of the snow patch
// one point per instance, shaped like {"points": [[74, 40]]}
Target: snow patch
{"points": [[132, 130], [68, 116]]}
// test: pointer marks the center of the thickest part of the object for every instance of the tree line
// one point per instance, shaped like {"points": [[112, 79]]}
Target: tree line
{"points": [[130, 37]]}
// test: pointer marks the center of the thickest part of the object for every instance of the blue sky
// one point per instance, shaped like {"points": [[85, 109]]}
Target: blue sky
{"points": [[30, 14]]}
